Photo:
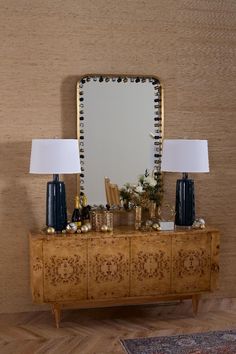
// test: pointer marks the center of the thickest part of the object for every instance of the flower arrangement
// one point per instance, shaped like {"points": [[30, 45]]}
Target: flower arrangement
{"points": [[148, 189]]}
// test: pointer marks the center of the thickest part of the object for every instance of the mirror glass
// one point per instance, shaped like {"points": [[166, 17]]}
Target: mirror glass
{"points": [[119, 129]]}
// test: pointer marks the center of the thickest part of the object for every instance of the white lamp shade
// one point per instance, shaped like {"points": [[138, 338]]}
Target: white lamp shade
{"points": [[55, 156], [182, 155]]}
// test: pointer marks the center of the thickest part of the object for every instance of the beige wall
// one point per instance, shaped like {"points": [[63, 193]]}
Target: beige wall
{"points": [[46, 45]]}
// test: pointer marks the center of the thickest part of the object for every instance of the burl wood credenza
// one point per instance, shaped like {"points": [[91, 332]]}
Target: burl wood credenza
{"points": [[123, 267]]}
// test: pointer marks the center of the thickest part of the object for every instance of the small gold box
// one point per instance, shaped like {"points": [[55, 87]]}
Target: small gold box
{"points": [[100, 218]]}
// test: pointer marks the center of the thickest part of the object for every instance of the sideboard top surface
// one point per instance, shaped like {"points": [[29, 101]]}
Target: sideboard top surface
{"points": [[123, 231]]}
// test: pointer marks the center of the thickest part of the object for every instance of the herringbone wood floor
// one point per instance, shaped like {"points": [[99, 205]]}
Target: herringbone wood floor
{"points": [[97, 331]]}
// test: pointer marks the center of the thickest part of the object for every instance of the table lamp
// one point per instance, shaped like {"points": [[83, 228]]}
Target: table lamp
{"points": [[55, 156], [185, 156]]}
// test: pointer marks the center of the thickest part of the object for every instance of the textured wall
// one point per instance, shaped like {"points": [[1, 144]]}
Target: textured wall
{"points": [[46, 45]]}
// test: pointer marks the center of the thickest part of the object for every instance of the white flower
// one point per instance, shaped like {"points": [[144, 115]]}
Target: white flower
{"points": [[150, 180], [139, 189]]}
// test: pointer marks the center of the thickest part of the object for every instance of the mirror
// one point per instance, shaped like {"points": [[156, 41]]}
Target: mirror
{"points": [[119, 129]]}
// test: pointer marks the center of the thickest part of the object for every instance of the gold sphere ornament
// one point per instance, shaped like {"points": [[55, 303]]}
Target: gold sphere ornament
{"points": [[50, 230], [89, 226], [199, 224], [71, 228], [104, 228], [84, 228], [63, 231], [202, 223], [156, 226]]}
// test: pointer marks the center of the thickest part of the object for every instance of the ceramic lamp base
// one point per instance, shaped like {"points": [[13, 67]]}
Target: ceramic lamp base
{"points": [[56, 216], [185, 202]]}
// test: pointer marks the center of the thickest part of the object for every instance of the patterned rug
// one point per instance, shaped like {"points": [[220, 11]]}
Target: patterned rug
{"points": [[219, 342]]}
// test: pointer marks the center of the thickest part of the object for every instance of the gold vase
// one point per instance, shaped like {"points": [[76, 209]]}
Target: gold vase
{"points": [[138, 217], [152, 210]]}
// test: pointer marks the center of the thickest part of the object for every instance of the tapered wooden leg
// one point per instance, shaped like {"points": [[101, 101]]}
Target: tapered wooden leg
{"points": [[195, 302], [56, 309]]}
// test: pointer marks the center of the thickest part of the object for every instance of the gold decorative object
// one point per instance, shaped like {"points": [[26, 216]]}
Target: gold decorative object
{"points": [[89, 225], [84, 228], [199, 224], [167, 212], [71, 228], [108, 219], [202, 223], [152, 209], [78, 231], [156, 226], [97, 219], [104, 228], [101, 217], [138, 217], [50, 230]]}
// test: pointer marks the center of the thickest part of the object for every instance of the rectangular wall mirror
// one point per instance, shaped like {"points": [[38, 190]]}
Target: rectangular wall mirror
{"points": [[120, 129]]}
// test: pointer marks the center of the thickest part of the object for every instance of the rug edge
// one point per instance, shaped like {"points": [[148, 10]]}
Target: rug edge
{"points": [[123, 345]]}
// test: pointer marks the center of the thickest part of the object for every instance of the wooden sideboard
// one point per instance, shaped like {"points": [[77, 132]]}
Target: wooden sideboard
{"points": [[123, 267]]}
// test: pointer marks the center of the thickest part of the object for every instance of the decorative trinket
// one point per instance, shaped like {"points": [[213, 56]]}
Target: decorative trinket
{"points": [[71, 228], [156, 226], [89, 226], [101, 217], [152, 209], [50, 230], [138, 217], [78, 231], [199, 224], [84, 228], [104, 228], [108, 219], [202, 223]]}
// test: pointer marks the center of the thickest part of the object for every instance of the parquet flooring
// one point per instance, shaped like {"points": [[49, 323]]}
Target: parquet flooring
{"points": [[97, 331]]}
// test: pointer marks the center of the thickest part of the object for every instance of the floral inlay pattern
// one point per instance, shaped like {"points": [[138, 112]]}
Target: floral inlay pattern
{"points": [[37, 264], [191, 262], [66, 270], [106, 268], [151, 265]]}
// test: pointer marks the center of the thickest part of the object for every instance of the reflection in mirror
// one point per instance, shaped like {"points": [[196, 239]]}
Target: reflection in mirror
{"points": [[120, 130]]}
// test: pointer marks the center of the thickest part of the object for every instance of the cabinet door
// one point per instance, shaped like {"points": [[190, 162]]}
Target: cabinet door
{"points": [[191, 262], [150, 265], [36, 269], [108, 260], [65, 269]]}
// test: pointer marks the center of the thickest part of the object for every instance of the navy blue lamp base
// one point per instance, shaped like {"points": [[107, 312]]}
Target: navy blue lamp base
{"points": [[185, 202], [56, 216]]}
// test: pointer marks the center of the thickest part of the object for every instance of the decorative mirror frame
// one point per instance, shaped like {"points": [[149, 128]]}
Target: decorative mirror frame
{"points": [[158, 118]]}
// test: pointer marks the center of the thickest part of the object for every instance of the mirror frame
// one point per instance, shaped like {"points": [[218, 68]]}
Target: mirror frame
{"points": [[158, 118]]}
